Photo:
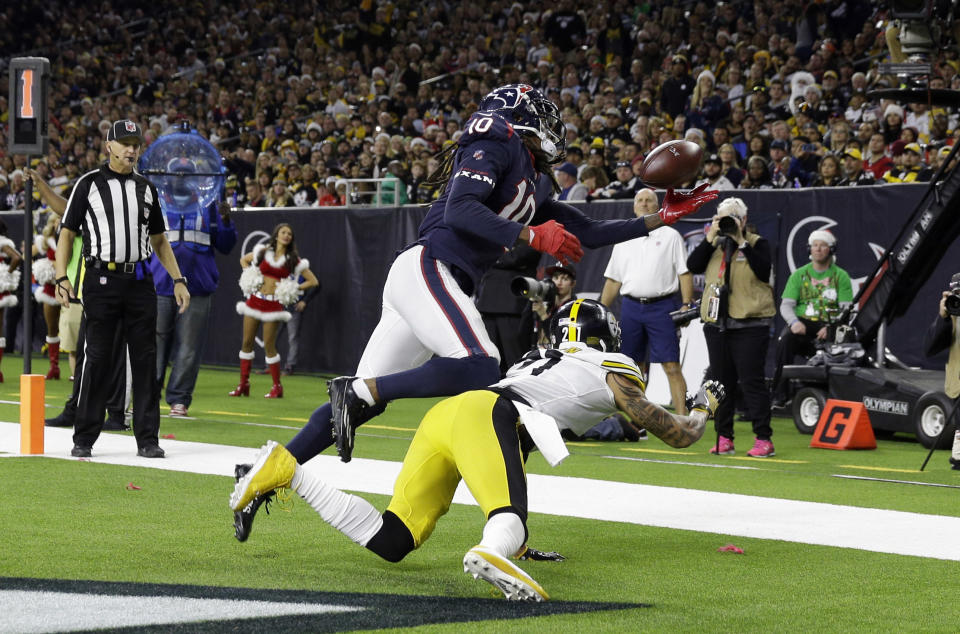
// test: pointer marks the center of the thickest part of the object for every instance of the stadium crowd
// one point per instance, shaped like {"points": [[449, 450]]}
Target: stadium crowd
{"points": [[300, 96]]}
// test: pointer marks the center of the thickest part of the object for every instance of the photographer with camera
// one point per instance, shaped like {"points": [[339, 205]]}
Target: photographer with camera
{"points": [[812, 300], [737, 310], [944, 333], [546, 296]]}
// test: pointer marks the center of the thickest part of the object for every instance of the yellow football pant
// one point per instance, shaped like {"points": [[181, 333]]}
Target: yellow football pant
{"points": [[473, 436]]}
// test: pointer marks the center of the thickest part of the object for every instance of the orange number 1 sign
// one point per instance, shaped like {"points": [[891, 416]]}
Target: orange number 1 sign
{"points": [[26, 98]]}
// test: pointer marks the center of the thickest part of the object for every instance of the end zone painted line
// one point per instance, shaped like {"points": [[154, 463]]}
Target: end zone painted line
{"points": [[877, 530]]}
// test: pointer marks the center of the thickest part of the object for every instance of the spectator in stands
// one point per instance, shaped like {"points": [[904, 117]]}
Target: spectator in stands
{"points": [[758, 174], [676, 90], [892, 124], [255, 195], [706, 108], [853, 171], [876, 160], [713, 174], [908, 166], [279, 196], [594, 179], [624, 187], [829, 174], [731, 164], [570, 188]]}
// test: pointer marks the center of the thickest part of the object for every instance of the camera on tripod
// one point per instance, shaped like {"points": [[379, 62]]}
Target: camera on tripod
{"points": [[535, 290], [952, 302], [684, 316]]}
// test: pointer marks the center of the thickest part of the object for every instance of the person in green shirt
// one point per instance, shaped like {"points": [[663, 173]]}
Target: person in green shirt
{"points": [[812, 300]]}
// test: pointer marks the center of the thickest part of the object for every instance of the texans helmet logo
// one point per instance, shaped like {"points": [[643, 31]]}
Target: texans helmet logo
{"points": [[478, 155]]}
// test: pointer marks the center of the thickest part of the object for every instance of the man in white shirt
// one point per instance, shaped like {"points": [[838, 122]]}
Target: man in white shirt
{"points": [[646, 273]]}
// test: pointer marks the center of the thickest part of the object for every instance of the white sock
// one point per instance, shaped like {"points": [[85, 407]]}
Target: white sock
{"points": [[503, 534], [351, 515], [955, 453], [360, 388]]}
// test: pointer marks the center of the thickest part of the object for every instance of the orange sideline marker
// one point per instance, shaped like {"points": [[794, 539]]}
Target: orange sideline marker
{"points": [[844, 425], [31, 413]]}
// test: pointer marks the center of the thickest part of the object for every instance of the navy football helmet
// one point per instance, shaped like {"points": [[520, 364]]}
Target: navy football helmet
{"points": [[587, 321], [529, 112]]}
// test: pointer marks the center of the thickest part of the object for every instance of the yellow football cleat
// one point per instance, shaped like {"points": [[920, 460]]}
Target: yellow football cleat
{"points": [[272, 470]]}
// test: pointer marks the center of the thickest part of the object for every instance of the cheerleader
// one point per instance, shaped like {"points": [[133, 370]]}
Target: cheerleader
{"points": [[9, 279], [45, 250], [269, 284]]}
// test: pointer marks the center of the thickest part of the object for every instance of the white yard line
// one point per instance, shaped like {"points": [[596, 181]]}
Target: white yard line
{"points": [[870, 529]]}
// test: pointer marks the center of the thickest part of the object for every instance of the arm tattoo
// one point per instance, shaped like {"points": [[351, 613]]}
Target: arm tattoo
{"points": [[675, 430]]}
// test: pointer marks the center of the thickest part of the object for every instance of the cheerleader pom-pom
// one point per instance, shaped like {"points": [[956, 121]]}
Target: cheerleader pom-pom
{"points": [[288, 292], [9, 280], [44, 272], [251, 280]]}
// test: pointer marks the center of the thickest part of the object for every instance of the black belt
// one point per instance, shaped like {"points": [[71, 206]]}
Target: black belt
{"points": [[128, 268], [649, 300]]}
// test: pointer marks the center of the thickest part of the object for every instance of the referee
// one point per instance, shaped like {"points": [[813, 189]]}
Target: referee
{"points": [[118, 213]]}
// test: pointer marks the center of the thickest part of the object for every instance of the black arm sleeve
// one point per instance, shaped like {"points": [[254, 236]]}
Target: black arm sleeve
{"points": [[594, 233], [758, 257], [938, 337], [699, 258]]}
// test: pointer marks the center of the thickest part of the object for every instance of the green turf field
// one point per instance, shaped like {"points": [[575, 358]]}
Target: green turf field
{"points": [[78, 521]]}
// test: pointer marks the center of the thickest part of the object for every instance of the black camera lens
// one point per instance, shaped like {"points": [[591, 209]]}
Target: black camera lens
{"points": [[728, 226], [952, 304]]}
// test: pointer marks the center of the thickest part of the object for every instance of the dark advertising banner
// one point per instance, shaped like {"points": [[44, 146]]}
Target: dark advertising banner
{"points": [[350, 251]]}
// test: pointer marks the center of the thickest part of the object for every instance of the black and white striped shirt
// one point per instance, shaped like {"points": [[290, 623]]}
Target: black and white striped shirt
{"points": [[116, 214]]}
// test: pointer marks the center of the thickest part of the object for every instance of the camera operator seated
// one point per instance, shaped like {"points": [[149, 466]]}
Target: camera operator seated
{"points": [[737, 311], [546, 296], [944, 333], [814, 296]]}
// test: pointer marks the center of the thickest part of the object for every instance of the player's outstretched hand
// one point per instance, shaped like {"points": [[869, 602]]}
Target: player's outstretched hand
{"points": [[676, 205], [552, 238], [708, 398]]}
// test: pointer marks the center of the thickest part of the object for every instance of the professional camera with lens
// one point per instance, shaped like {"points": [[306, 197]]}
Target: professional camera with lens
{"points": [[684, 316], [952, 303], [727, 225], [534, 290]]}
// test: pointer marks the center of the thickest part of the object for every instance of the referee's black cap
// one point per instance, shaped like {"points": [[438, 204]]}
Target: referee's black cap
{"points": [[123, 128]]}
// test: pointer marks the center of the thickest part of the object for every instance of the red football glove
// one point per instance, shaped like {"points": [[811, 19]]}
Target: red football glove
{"points": [[676, 206], [552, 238]]}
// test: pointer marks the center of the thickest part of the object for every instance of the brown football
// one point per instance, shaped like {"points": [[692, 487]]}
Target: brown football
{"points": [[671, 164]]}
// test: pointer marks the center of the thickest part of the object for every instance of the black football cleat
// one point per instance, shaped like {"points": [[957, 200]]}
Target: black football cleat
{"points": [[243, 519], [61, 420], [347, 413]]}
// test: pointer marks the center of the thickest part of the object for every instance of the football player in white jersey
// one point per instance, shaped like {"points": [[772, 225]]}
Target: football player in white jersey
{"points": [[484, 436]]}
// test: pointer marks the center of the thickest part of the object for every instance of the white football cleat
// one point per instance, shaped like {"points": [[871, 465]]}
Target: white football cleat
{"points": [[502, 574]]}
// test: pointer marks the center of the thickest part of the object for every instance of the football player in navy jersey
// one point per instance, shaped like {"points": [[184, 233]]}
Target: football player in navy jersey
{"points": [[483, 437], [497, 186]]}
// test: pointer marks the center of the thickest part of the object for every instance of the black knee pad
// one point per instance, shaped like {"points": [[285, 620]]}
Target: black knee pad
{"points": [[393, 541]]}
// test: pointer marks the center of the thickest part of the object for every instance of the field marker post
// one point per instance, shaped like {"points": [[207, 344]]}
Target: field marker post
{"points": [[32, 388]]}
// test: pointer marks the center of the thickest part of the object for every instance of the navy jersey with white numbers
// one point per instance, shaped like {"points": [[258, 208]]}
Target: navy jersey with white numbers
{"points": [[494, 191]]}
